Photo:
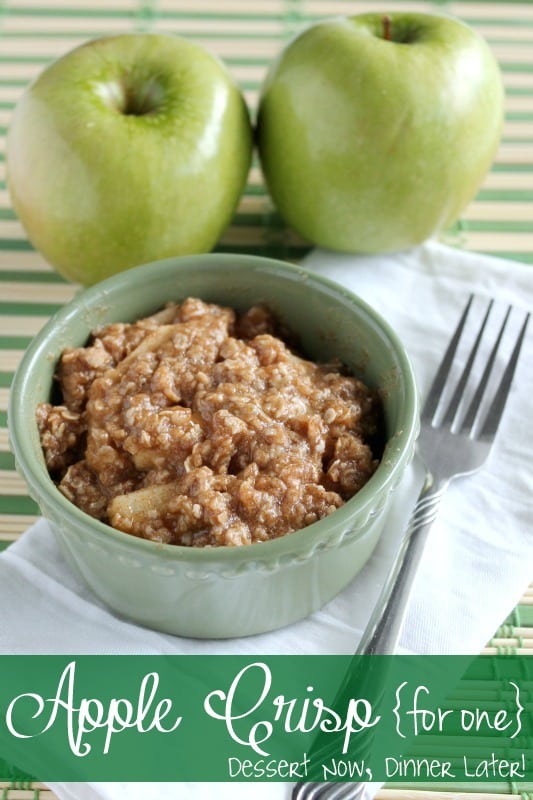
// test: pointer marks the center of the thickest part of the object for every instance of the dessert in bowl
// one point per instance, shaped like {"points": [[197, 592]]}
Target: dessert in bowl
{"points": [[193, 537]]}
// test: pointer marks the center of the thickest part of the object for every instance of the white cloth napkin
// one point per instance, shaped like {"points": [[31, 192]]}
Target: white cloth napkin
{"points": [[477, 564]]}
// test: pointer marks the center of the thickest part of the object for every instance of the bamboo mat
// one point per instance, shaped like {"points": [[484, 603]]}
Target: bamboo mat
{"points": [[247, 34]]}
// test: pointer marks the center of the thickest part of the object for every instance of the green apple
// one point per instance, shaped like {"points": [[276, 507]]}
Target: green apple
{"points": [[128, 149], [374, 131]]}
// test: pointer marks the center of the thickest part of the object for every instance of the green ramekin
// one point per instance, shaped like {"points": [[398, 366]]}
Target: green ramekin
{"points": [[238, 591]]}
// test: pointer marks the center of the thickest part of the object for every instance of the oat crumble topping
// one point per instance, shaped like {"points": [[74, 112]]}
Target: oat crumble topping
{"points": [[200, 427]]}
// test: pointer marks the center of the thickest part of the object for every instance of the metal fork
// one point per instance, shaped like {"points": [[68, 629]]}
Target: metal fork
{"points": [[456, 436]]}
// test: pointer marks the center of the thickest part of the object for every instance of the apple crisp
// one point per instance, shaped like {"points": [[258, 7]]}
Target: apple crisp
{"points": [[199, 426]]}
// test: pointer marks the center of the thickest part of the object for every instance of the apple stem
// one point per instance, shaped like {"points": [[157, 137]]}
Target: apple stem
{"points": [[387, 28]]}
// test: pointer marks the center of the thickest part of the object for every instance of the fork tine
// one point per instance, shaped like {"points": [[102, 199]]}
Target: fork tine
{"points": [[453, 406], [435, 392], [471, 414], [495, 412]]}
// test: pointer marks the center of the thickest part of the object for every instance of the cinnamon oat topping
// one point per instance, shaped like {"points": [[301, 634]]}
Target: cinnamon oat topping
{"points": [[197, 426]]}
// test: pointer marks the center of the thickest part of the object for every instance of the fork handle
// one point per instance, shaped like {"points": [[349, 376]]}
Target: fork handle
{"points": [[385, 625]]}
